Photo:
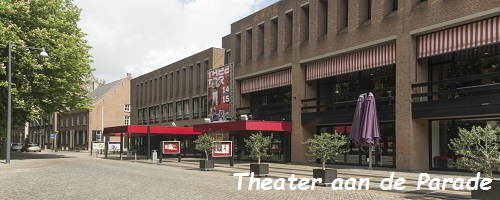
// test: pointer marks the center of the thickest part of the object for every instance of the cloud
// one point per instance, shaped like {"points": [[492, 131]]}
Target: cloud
{"points": [[140, 36]]}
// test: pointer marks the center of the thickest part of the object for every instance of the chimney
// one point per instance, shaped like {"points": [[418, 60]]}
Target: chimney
{"points": [[129, 75]]}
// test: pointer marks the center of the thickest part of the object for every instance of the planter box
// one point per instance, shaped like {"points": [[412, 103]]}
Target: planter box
{"points": [[327, 176], [206, 165], [259, 170], [493, 193]]}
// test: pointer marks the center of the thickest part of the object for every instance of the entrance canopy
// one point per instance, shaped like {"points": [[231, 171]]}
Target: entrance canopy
{"points": [[249, 125], [135, 130]]}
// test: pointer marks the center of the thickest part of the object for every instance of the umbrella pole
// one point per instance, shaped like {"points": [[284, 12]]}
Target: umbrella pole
{"points": [[370, 159]]}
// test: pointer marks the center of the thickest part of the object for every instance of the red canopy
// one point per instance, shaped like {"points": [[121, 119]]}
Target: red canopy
{"points": [[249, 125], [154, 130]]}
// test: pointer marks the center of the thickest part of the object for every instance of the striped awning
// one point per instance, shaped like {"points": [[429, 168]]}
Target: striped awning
{"points": [[360, 60], [267, 81], [459, 38]]}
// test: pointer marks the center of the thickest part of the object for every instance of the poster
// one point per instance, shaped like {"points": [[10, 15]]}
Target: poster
{"points": [[114, 146], [171, 147], [220, 98], [275, 147], [97, 145], [224, 149]]}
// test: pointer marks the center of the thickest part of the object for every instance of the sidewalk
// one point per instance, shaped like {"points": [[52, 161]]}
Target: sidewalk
{"points": [[277, 170]]}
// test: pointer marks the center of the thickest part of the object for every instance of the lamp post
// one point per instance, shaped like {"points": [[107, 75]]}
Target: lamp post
{"points": [[9, 100]]}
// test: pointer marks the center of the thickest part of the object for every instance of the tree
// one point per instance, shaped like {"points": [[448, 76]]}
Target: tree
{"points": [[42, 86], [325, 147], [258, 145], [206, 143], [478, 148]]}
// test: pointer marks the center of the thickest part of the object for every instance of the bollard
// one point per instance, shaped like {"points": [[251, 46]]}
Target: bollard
{"points": [[179, 159], [135, 157]]}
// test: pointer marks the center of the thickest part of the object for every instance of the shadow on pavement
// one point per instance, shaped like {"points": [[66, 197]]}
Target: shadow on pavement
{"points": [[17, 155]]}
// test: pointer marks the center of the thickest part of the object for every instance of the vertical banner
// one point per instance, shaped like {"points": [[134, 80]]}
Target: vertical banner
{"points": [[220, 93], [223, 149], [171, 147]]}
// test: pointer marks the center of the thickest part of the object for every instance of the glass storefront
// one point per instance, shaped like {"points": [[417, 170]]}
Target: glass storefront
{"points": [[442, 131], [279, 148], [384, 154]]}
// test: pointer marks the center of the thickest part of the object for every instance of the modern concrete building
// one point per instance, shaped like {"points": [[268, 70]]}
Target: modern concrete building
{"points": [[76, 129]]}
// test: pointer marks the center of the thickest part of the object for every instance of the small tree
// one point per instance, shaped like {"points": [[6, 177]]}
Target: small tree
{"points": [[325, 147], [479, 149], [258, 145], [206, 144]]}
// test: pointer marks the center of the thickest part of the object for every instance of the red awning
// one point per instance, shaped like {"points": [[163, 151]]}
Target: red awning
{"points": [[249, 125], [133, 130]]}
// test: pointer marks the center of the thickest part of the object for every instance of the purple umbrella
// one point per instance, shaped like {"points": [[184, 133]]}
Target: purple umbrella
{"points": [[370, 132], [356, 134]]}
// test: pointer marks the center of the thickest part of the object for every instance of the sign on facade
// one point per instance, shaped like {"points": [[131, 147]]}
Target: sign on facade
{"points": [[220, 93]]}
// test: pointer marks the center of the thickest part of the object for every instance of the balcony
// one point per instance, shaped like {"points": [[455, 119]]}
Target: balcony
{"points": [[457, 97], [269, 112], [339, 108]]}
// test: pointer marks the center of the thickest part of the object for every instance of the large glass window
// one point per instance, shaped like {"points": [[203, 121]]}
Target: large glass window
{"points": [[204, 106], [443, 131], [151, 114], [170, 111], [164, 112], [140, 116], [157, 113]]}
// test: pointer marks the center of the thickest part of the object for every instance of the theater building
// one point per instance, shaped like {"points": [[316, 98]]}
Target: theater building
{"points": [[173, 95], [432, 66]]}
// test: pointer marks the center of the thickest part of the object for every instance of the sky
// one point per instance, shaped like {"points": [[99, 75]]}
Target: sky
{"points": [[137, 37]]}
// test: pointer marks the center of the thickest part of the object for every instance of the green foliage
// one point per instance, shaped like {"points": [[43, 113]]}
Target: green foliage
{"points": [[479, 149], [258, 145], [325, 146], [206, 143], [41, 86]]}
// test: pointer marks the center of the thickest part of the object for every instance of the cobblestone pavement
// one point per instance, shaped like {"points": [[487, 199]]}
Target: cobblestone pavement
{"points": [[75, 175]]}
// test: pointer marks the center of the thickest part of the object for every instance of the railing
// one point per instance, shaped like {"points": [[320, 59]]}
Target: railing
{"points": [[346, 101], [275, 111], [450, 88]]}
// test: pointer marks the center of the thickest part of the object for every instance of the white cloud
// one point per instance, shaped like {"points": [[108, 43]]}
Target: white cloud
{"points": [[141, 36]]}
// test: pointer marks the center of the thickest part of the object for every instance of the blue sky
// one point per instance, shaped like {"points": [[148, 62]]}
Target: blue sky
{"points": [[130, 36]]}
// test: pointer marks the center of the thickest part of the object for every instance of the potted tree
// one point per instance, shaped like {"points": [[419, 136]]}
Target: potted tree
{"points": [[206, 143], [479, 151], [325, 147], [258, 146]]}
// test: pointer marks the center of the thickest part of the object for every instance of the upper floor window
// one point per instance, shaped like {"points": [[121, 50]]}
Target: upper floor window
{"points": [[78, 120], [170, 110], [127, 120], [127, 107], [141, 116], [204, 106], [67, 122], [186, 109], [164, 112], [157, 113], [84, 120]]}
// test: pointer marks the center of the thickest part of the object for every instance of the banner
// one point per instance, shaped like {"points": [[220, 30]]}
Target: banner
{"points": [[171, 147], [220, 93], [224, 149]]}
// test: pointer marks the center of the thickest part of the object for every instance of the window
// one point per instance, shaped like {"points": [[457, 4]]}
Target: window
{"points": [[261, 40], [127, 107], [178, 110], [249, 44], [78, 120], [170, 110], [237, 43], [164, 113], [157, 113], [289, 29], [145, 114], [323, 18], [204, 106], [127, 120], [141, 116], [369, 9], [344, 14], [304, 23], [186, 109], [274, 35], [84, 119], [67, 122], [227, 58], [72, 121], [151, 114], [196, 107], [394, 5]]}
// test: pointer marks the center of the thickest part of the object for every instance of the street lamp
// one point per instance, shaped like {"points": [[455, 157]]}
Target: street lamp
{"points": [[9, 101]]}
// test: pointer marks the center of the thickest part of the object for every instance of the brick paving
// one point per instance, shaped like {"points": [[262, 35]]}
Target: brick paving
{"points": [[76, 175]]}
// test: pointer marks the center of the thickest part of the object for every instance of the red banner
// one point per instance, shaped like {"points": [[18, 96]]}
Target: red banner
{"points": [[220, 93], [171, 147], [275, 147], [224, 149]]}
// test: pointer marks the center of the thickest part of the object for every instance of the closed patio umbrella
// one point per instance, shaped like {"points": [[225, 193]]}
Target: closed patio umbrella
{"points": [[355, 133], [370, 132]]}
